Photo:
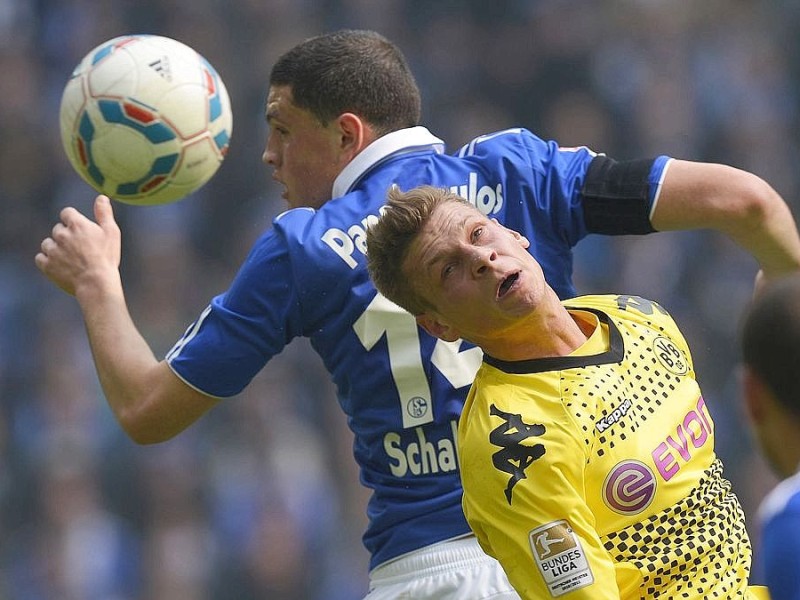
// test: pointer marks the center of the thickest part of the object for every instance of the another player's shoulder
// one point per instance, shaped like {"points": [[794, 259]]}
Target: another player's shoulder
{"points": [[336, 231], [624, 305], [785, 497], [521, 141], [488, 141], [630, 312]]}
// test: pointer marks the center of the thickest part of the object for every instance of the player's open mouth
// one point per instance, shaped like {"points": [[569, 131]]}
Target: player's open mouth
{"points": [[284, 190], [506, 284]]}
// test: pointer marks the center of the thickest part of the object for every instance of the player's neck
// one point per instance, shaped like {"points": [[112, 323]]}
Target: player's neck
{"points": [[551, 333]]}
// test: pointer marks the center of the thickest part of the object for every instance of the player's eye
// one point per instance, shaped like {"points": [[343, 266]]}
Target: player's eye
{"points": [[275, 127], [476, 233], [448, 269]]}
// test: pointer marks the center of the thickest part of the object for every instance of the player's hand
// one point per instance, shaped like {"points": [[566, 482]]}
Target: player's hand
{"points": [[82, 252]]}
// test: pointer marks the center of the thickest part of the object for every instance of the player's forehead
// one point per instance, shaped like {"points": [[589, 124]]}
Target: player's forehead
{"points": [[280, 102], [450, 218], [443, 233]]}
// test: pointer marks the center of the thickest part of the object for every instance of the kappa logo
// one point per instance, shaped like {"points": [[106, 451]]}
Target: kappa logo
{"points": [[615, 416], [514, 457], [558, 553]]}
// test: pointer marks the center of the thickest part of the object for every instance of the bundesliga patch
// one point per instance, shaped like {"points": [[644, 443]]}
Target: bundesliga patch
{"points": [[559, 555]]}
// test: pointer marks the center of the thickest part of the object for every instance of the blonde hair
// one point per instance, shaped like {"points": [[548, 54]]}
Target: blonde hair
{"points": [[389, 239]]}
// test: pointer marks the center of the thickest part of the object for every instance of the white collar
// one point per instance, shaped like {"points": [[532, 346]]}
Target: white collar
{"points": [[396, 142]]}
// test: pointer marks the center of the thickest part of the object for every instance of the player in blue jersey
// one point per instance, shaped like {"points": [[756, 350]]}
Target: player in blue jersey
{"points": [[771, 355], [344, 111]]}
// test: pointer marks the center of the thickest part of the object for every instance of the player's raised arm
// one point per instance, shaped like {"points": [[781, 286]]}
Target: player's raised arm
{"points": [[735, 202], [82, 257]]}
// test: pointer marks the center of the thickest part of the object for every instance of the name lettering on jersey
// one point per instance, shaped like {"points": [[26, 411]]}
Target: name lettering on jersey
{"points": [[515, 456], [558, 553], [422, 456], [615, 417], [346, 242], [487, 199], [692, 433], [629, 488]]}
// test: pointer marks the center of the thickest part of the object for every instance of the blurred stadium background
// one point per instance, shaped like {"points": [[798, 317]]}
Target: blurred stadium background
{"points": [[261, 498]]}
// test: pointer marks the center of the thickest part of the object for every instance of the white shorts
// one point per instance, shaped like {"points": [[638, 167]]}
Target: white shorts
{"points": [[452, 570]]}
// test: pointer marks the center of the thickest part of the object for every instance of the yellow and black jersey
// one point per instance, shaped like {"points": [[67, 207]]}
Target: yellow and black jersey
{"points": [[594, 475]]}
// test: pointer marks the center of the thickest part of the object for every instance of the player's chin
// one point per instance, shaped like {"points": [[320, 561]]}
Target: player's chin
{"points": [[288, 197]]}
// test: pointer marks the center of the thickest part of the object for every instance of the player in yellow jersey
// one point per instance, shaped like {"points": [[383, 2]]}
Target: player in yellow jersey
{"points": [[586, 447]]}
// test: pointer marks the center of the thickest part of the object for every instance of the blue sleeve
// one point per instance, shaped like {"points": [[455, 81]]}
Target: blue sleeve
{"points": [[558, 177], [244, 327], [780, 556]]}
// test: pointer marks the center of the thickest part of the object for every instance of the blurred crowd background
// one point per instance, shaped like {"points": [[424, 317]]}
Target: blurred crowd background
{"points": [[261, 499]]}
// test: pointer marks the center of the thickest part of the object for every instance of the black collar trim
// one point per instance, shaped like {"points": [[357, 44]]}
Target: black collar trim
{"points": [[614, 354]]}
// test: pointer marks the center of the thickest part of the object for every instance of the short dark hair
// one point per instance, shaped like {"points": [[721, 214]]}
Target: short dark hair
{"points": [[771, 340], [390, 237], [351, 71]]}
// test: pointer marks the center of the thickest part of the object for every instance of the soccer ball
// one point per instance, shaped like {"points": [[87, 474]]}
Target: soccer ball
{"points": [[145, 119]]}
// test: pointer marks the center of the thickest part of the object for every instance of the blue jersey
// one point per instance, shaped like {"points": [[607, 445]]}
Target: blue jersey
{"points": [[778, 559], [402, 390]]}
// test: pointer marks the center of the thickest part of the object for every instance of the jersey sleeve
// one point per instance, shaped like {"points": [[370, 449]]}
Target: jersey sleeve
{"points": [[244, 327], [585, 192], [524, 495]]}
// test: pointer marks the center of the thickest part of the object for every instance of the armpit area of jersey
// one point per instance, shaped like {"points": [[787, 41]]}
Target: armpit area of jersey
{"points": [[616, 196]]}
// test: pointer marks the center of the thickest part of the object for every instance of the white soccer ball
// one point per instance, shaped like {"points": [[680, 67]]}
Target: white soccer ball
{"points": [[145, 119]]}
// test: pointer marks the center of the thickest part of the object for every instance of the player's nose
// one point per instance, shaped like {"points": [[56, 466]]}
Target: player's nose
{"points": [[270, 156], [482, 259]]}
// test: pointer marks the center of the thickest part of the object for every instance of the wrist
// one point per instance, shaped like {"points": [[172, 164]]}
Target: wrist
{"points": [[95, 286]]}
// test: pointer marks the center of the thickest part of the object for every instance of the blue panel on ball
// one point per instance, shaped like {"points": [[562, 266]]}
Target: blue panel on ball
{"points": [[86, 128], [95, 174], [157, 133], [164, 165], [159, 170], [127, 189], [222, 139], [86, 133], [102, 53], [215, 100]]}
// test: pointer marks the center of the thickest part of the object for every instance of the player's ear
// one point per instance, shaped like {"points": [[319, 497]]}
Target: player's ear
{"points": [[436, 328], [523, 241], [755, 395], [354, 133]]}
